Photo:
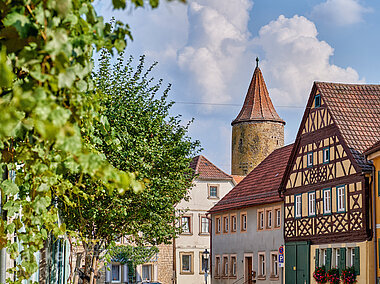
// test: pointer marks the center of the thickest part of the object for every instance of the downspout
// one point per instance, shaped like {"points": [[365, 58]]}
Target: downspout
{"points": [[374, 217]]}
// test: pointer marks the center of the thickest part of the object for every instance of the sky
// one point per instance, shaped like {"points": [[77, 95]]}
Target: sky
{"points": [[207, 48]]}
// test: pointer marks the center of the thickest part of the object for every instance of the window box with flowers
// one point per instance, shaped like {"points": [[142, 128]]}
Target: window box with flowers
{"points": [[320, 275], [333, 276], [348, 275]]}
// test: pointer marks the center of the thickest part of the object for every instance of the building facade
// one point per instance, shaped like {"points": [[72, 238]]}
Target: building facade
{"points": [[247, 229], [257, 130], [326, 184], [210, 185]]}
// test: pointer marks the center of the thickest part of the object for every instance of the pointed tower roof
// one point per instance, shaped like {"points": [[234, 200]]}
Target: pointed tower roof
{"points": [[257, 105]]}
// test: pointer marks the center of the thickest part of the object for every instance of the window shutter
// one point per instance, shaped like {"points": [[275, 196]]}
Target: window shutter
{"points": [[342, 263], [357, 261], [328, 258], [316, 258]]}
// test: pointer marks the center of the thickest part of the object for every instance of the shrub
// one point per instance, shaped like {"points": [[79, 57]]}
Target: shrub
{"points": [[333, 276], [348, 275], [320, 275]]}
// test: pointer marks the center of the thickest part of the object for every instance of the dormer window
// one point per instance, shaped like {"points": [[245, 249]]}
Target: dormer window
{"points": [[309, 159], [318, 100]]}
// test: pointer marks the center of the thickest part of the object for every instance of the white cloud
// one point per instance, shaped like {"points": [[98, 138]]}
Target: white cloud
{"points": [[340, 12], [218, 38], [295, 57]]}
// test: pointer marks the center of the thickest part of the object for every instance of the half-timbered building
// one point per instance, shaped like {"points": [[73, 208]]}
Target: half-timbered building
{"points": [[327, 212]]}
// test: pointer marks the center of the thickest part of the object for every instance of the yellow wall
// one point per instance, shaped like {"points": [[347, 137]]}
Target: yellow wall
{"points": [[366, 260], [375, 157]]}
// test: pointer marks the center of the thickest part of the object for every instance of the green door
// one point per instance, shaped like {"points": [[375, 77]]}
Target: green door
{"points": [[297, 264]]}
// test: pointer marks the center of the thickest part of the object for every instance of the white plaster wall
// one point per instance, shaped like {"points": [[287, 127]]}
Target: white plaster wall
{"points": [[198, 205], [250, 242]]}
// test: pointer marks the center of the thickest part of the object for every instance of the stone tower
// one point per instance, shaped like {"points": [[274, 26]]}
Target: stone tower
{"points": [[257, 130]]}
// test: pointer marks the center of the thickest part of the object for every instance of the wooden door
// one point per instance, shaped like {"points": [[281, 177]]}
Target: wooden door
{"points": [[248, 270]]}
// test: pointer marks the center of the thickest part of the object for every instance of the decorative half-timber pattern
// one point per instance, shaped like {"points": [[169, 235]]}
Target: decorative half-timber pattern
{"points": [[321, 160]]}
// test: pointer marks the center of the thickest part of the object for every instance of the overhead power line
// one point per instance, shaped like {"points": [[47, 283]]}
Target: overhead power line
{"points": [[237, 105]]}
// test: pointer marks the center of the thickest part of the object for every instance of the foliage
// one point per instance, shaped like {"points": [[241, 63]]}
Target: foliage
{"points": [[320, 275], [333, 276], [348, 275], [136, 255], [136, 134], [47, 106]]}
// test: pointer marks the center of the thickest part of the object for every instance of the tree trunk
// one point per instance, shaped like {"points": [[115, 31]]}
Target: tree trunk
{"points": [[77, 267]]}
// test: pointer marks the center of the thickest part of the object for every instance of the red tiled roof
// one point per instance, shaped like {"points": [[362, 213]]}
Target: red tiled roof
{"points": [[355, 108], [207, 170], [374, 148], [257, 105], [260, 186], [237, 178]]}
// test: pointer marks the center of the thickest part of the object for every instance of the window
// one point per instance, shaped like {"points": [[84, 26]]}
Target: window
{"points": [[260, 220], [311, 203], [213, 191], [273, 265], [225, 224], [186, 224], [147, 272], [116, 273], [202, 263], [336, 256], [318, 100], [204, 225], [269, 219], [327, 201], [218, 226], [225, 265], [340, 198], [261, 264], [326, 155], [233, 223], [217, 265], [186, 259], [233, 266], [309, 159], [298, 206], [278, 217], [323, 257], [243, 222], [351, 257]]}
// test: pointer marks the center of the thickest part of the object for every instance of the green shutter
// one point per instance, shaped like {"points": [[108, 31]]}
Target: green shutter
{"points": [[378, 183], [317, 258], [328, 258], [357, 261], [342, 262]]}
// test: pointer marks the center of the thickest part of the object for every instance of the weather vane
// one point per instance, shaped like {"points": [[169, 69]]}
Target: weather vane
{"points": [[257, 62]]}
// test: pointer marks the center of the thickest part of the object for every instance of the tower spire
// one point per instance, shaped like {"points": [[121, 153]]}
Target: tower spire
{"points": [[257, 104]]}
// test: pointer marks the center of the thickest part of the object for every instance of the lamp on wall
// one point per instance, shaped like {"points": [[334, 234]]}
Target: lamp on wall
{"points": [[206, 256]]}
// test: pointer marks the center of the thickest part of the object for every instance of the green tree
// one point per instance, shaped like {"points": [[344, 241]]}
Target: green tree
{"points": [[47, 109], [137, 134]]}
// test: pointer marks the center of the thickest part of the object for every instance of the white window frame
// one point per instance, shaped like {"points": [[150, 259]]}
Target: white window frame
{"points": [[244, 222], [233, 223], [327, 201], [226, 224], [142, 271], [262, 264], [118, 280], [337, 257], [309, 159], [189, 218], [225, 266], [218, 225], [274, 264], [326, 155], [311, 203], [217, 266], [233, 265], [298, 205], [191, 262], [351, 256], [269, 219], [340, 198], [202, 218], [216, 186], [261, 220], [278, 217]]}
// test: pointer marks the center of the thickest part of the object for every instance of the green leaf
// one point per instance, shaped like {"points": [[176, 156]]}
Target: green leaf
{"points": [[9, 188]]}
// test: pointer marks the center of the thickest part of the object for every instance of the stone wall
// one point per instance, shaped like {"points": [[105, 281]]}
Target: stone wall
{"points": [[165, 264], [252, 142]]}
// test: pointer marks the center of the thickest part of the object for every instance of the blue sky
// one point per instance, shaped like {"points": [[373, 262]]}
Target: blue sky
{"points": [[207, 49]]}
